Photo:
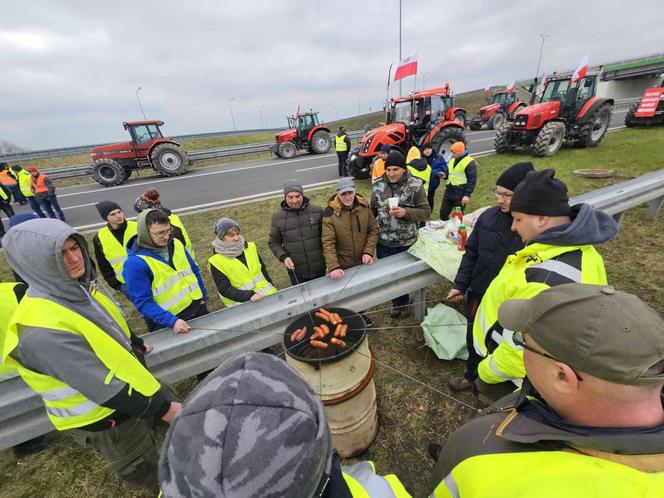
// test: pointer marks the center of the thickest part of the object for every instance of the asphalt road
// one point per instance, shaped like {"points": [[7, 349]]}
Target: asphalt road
{"points": [[225, 184]]}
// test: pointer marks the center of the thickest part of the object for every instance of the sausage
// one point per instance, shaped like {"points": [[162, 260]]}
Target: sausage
{"points": [[327, 314], [318, 344], [337, 331], [338, 342], [344, 330], [322, 315], [325, 329], [338, 317]]}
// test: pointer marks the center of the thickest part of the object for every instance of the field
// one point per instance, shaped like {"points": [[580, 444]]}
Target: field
{"points": [[411, 415]]}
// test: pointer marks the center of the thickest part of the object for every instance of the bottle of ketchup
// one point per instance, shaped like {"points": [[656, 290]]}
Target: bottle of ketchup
{"points": [[456, 213], [463, 235]]}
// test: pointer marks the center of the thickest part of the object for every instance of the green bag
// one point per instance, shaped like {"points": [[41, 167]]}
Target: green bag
{"points": [[445, 332]]}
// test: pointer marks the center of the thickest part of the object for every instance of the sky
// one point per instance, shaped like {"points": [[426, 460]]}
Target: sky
{"points": [[71, 69]]}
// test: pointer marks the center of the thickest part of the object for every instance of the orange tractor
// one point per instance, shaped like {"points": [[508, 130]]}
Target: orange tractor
{"points": [[114, 163], [503, 105], [304, 133], [427, 116]]}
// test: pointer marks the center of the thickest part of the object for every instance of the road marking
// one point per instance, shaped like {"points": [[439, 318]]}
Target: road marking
{"points": [[481, 140], [315, 167]]}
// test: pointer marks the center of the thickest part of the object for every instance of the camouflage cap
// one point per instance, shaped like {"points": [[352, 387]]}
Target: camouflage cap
{"points": [[252, 428], [596, 329]]}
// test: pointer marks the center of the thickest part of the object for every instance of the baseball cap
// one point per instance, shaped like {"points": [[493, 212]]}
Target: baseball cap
{"points": [[607, 333]]}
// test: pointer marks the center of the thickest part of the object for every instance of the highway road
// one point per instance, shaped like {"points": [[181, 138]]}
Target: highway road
{"points": [[226, 184]]}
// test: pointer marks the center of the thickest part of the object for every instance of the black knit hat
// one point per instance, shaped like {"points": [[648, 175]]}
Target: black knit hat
{"points": [[541, 194], [105, 207], [513, 175], [395, 158]]}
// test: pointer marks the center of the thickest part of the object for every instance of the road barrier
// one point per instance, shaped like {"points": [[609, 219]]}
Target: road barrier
{"points": [[254, 326]]}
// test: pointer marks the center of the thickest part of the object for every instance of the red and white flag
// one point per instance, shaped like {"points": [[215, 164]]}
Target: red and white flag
{"points": [[541, 85], [297, 112], [487, 90], [580, 71], [406, 67], [511, 87]]}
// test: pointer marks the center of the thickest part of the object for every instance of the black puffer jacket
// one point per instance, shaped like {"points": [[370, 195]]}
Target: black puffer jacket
{"points": [[296, 233], [488, 246]]}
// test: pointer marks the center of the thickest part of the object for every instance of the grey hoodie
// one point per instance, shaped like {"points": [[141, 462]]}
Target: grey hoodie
{"points": [[588, 226], [34, 251]]}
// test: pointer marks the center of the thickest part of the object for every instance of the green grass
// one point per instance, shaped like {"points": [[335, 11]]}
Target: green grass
{"points": [[471, 103], [411, 415], [363, 122]]}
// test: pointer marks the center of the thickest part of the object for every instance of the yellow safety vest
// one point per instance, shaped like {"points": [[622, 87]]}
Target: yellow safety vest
{"points": [[3, 196], [173, 288], [66, 407], [340, 144], [243, 277], [425, 175], [457, 171], [8, 305], [367, 484], [116, 253], [177, 222], [506, 361], [24, 183], [547, 474]]}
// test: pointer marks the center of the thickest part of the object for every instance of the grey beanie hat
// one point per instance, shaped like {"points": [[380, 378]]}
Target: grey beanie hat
{"points": [[293, 186], [252, 428], [223, 225], [345, 184]]}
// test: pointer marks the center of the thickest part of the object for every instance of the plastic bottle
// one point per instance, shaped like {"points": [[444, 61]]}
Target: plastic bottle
{"points": [[463, 235], [456, 213]]}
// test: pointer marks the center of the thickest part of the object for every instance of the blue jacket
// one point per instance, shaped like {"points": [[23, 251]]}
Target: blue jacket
{"points": [[138, 277], [438, 165]]}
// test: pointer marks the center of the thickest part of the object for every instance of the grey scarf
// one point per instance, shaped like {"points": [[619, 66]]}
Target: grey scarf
{"points": [[227, 248]]}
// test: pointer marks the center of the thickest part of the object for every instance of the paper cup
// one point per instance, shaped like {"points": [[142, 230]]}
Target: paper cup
{"points": [[393, 202]]}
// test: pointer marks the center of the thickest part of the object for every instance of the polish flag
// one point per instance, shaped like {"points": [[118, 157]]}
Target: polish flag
{"points": [[487, 90], [297, 112], [511, 87], [542, 81], [406, 67], [581, 71]]}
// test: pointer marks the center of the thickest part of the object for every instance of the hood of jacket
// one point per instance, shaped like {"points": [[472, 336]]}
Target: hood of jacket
{"points": [[588, 226], [34, 250], [334, 203], [419, 164], [286, 207]]}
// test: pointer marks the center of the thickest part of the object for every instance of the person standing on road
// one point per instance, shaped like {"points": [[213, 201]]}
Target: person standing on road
{"points": [[110, 243], [44, 190], [72, 346], [8, 180], [24, 180], [461, 179], [162, 278], [342, 146], [295, 235], [378, 166], [488, 245], [438, 168], [236, 267], [398, 225], [6, 206]]}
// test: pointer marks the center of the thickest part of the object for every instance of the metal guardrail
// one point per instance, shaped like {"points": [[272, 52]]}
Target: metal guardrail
{"points": [[254, 326]]}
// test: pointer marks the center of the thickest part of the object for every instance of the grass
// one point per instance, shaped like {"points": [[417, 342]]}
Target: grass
{"points": [[411, 415]]}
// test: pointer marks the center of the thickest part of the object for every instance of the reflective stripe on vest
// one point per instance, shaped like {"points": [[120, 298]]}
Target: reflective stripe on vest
{"points": [[5, 179], [363, 482], [114, 252], [24, 182], [425, 175], [177, 222], [457, 172], [66, 407], [39, 185], [3, 195], [249, 277], [173, 288], [547, 474], [340, 144]]}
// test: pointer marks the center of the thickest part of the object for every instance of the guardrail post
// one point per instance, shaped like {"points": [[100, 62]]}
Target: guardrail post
{"points": [[653, 208], [619, 217], [420, 304]]}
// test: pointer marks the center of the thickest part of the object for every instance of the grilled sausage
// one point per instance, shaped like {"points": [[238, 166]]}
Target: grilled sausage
{"points": [[322, 315], [338, 342], [344, 330], [337, 331], [325, 329], [318, 344]]}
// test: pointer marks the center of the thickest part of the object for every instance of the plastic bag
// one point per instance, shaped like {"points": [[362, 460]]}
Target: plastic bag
{"points": [[445, 332]]}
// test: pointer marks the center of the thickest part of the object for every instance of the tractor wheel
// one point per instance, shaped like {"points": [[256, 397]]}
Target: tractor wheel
{"points": [[460, 116], [360, 167], [287, 150], [444, 140], [496, 121], [500, 141], [476, 122], [169, 160], [549, 139], [108, 172], [320, 142], [593, 130], [629, 117]]}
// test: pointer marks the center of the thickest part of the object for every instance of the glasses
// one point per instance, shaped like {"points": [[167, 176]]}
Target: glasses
{"points": [[504, 195], [162, 233], [519, 340]]}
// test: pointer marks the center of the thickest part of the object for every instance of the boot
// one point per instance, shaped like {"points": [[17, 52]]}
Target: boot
{"points": [[459, 384]]}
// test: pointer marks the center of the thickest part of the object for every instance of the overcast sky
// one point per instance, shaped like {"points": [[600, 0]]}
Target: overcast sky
{"points": [[70, 69]]}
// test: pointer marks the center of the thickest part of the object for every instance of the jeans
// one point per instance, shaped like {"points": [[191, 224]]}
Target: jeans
{"points": [[49, 203], [16, 191], [342, 157], [384, 252], [34, 205]]}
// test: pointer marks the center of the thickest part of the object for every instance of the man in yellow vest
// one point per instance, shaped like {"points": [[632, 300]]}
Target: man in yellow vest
{"points": [[255, 428], [591, 424], [73, 347], [24, 180], [461, 179], [110, 243], [162, 278], [342, 146], [418, 166], [558, 250]]}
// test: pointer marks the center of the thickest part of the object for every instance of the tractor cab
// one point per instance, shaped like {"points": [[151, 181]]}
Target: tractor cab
{"points": [[304, 123], [572, 96], [142, 132]]}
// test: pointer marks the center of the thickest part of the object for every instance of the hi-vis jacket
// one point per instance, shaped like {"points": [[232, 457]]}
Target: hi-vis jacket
{"points": [[114, 251], [558, 256]]}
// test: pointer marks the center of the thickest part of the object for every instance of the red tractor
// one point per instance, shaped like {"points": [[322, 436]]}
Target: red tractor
{"points": [[648, 110], [428, 116], [566, 111], [503, 106], [148, 148], [304, 133]]}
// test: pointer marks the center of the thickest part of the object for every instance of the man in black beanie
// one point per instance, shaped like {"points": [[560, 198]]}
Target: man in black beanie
{"points": [[558, 251], [489, 244], [110, 243]]}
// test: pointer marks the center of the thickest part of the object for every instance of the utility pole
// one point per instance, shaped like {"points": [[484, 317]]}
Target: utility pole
{"points": [[260, 113], [539, 61], [139, 103], [230, 108], [358, 104]]}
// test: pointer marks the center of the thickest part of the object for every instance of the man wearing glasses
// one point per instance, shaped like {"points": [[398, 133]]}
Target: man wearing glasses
{"points": [[589, 422], [489, 244], [162, 279]]}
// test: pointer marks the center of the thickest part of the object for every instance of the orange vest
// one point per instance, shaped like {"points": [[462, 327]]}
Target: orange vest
{"points": [[5, 179], [39, 186]]}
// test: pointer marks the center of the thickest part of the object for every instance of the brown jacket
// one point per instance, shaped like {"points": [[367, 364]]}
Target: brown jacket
{"points": [[348, 233]]}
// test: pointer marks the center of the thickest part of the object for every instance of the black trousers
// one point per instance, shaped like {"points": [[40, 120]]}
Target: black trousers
{"points": [[343, 163], [448, 205], [472, 303]]}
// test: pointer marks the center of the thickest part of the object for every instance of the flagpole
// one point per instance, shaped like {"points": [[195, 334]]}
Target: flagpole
{"points": [[400, 56], [539, 61], [389, 72]]}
